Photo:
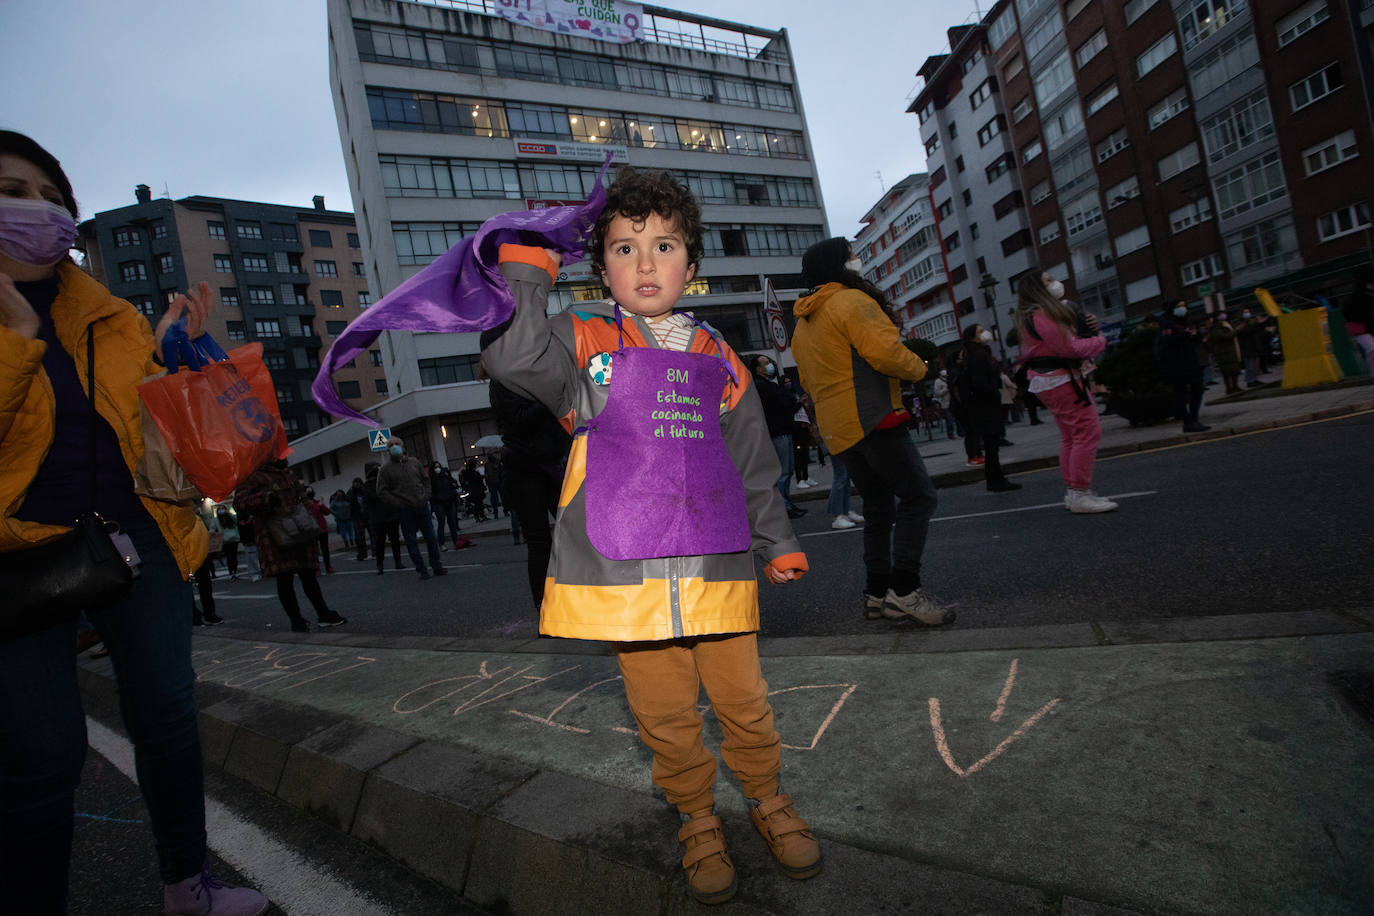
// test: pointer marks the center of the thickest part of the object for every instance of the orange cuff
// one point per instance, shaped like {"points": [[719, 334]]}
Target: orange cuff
{"points": [[528, 254], [795, 561]]}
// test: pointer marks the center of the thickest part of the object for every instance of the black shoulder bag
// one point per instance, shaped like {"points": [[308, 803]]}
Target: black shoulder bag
{"points": [[82, 570]]}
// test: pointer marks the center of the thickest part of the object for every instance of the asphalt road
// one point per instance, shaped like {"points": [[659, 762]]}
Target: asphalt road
{"points": [[1272, 521]]}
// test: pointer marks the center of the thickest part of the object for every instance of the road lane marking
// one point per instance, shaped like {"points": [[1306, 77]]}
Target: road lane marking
{"points": [[954, 518], [291, 882]]}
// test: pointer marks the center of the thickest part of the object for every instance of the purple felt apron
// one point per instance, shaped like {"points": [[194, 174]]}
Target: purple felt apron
{"points": [[660, 482]]}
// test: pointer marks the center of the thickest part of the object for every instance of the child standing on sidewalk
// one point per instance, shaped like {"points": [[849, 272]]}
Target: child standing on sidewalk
{"points": [[668, 493]]}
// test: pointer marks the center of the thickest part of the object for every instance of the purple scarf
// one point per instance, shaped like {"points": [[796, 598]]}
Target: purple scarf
{"points": [[463, 290]]}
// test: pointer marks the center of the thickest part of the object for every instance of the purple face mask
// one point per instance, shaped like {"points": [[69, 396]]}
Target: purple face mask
{"points": [[35, 232]]}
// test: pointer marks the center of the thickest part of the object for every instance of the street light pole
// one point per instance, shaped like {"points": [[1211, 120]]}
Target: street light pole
{"points": [[988, 284]]}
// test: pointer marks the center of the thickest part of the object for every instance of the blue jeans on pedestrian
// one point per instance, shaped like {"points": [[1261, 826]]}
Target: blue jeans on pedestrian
{"points": [[839, 487], [899, 500], [783, 446], [43, 732], [420, 519], [345, 530], [445, 511]]}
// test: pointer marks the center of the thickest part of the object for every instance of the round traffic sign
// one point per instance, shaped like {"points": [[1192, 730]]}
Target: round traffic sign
{"points": [[778, 329]]}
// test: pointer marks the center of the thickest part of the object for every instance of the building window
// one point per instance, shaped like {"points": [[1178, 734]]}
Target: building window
{"points": [[1039, 36], [285, 232], [130, 271], [1156, 54], [1001, 29], [1136, 8], [1013, 67], [967, 195], [1232, 58], [959, 164], [255, 263], [1189, 215], [959, 274], [374, 358], [1051, 82], [1329, 153], [379, 385], [1049, 233], [1256, 182], [446, 370], [998, 168], [1243, 124], [168, 297], [1119, 194], [952, 243], [1090, 48], [933, 144], [1344, 221], [1072, 169], [1015, 242], [236, 332], [1302, 20], [1179, 160], [320, 238], [981, 94], [331, 298], [224, 264], [1098, 100], [420, 243], [364, 299], [971, 61], [1132, 240], [285, 394], [275, 361], [1031, 150], [1264, 243], [144, 304], [267, 327], [1007, 204], [216, 229], [326, 269], [1173, 103], [1140, 290], [1317, 86], [165, 263], [358, 269], [248, 230], [1202, 268], [291, 426], [945, 209], [159, 230], [991, 129], [1082, 214], [1201, 19], [1022, 109], [125, 237], [353, 240], [1113, 145], [924, 114], [335, 328], [261, 295], [1064, 126], [1041, 192], [307, 327], [229, 296], [953, 130]]}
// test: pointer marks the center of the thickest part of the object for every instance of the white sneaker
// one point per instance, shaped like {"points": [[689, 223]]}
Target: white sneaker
{"points": [[1084, 502], [802, 485], [855, 517], [919, 606], [843, 521]]}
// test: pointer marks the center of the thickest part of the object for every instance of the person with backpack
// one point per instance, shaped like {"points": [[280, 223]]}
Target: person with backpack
{"points": [[1055, 343]]}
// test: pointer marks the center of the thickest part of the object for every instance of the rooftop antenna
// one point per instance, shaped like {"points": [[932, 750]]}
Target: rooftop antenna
{"points": [[166, 192], [879, 175]]}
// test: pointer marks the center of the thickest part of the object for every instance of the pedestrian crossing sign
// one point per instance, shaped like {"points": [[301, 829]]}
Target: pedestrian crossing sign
{"points": [[379, 439]]}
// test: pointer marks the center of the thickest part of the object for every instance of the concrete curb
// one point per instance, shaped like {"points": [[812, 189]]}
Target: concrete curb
{"points": [[520, 840]]}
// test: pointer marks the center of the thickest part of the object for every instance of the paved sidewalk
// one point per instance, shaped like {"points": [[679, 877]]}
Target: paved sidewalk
{"points": [[1205, 765]]}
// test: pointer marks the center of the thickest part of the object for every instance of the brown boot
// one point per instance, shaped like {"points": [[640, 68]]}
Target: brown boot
{"points": [[710, 873], [789, 837]]}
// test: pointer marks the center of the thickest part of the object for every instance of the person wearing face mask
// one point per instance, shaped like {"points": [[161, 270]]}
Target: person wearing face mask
{"points": [[852, 361], [981, 393], [1055, 343], [403, 484], [384, 520], [1250, 337], [1179, 367], [53, 441], [779, 409]]}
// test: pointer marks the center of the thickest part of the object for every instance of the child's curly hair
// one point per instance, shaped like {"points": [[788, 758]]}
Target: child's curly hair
{"points": [[634, 195]]}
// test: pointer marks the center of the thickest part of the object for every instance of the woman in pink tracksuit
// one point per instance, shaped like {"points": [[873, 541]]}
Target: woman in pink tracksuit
{"points": [[1055, 341]]}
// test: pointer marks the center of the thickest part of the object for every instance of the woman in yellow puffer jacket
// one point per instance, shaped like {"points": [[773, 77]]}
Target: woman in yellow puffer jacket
{"points": [[49, 309]]}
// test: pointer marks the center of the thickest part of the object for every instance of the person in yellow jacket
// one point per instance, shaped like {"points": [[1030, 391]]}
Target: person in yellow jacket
{"points": [[49, 309], [851, 359]]}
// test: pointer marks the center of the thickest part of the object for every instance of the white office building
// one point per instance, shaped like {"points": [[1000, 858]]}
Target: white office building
{"points": [[450, 113]]}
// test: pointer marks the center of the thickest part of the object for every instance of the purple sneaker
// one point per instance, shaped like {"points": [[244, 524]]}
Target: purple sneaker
{"points": [[204, 895]]}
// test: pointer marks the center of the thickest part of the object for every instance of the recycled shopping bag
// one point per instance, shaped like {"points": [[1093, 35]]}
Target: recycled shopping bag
{"points": [[158, 476], [220, 420]]}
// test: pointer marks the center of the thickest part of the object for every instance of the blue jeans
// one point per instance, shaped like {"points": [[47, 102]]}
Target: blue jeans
{"points": [[783, 446], [839, 487], [43, 733], [420, 519], [446, 511], [899, 500]]}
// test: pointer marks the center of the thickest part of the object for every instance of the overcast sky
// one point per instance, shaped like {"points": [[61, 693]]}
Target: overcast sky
{"points": [[231, 99]]}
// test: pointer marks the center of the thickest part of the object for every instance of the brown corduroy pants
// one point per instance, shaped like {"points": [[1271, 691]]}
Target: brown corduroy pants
{"points": [[663, 682]]}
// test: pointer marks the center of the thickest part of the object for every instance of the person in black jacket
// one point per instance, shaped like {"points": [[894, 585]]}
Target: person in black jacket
{"points": [[1179, 366], [384, 518], [443, 501], [779, 409], [534, 454], [980, 390], [357, 501]]}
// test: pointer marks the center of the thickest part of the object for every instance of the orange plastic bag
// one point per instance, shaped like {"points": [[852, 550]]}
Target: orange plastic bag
{"points": [[221, 420]]}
